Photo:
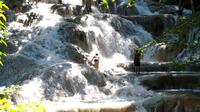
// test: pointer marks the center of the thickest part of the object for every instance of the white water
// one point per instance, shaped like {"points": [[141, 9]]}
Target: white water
{"points": [[43, 46], [142, 8], [113, 46], [74, 2]]}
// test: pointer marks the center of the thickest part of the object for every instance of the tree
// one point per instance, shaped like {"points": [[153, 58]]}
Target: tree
{"points": [[181, 4], [131, 2], [3, 32]]}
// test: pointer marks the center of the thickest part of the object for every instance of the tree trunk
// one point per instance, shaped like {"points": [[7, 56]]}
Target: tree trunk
{"points": [[192, 6], [180, 6], [59, 1]]}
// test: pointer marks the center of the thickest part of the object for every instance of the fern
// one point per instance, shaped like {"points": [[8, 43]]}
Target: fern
{"points": [[3, 31]]}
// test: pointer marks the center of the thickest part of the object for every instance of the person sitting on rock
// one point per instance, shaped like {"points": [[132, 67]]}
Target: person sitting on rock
{"points": [[95, 60]]}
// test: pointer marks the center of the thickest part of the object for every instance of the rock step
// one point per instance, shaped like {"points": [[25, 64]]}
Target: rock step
{"points": [[160, 67], [92, 107]]}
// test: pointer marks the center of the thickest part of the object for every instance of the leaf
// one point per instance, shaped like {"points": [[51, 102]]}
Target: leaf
{"points": [[2, 41], [5, 6], [1, 11], [3, 16], [2, 25]]}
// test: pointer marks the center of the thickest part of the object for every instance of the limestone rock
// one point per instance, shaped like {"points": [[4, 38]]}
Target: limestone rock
{"points": [[183, 103], [67, 9], [156, 24], [126, 10]]}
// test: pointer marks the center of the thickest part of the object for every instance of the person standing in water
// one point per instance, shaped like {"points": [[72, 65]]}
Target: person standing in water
{"points": [[95, 59], [137, 56]]}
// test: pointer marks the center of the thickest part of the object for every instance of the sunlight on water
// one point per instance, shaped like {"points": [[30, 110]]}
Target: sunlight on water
{"points": [[61, 80], [74, 2], [109, 41], [110, 64], [32, 90], [48, 19]]}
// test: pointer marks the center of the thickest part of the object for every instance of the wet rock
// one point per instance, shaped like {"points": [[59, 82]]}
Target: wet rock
{"points": [[172, 81], [149, 66], [156, 6], [26, 8], [156, 24], [153, 5], [165, 53], [62, 80], [31, 17], [94, 77], [74, 53], [67, 9], [158, 66], [17, 69], [10, 48], [59, 81], [28, 19], [126, 10], [168, 9], [76, 35], [183, 103], [49, 1]]}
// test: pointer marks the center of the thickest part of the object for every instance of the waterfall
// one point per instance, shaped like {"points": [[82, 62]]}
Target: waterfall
{"points": [[74, 2], [54, 67], [143, 8], [112, 37]]}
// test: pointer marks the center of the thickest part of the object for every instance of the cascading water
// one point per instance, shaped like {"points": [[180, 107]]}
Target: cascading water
{"points": [[60, 78], [142, 8]]}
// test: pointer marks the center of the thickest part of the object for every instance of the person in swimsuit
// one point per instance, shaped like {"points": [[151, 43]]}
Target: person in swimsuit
{"points": [[95, 59]]}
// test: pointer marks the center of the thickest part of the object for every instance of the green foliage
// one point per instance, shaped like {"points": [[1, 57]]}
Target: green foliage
{"points": [[186, 24], [3, 31], [4, 105], [131, 2], [105, 2], [8, 91], [143, 49], [7, 106], [182, 29]]}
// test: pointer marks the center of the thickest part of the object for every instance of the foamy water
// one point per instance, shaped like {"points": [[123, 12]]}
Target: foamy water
{"points": [[44, 46]]}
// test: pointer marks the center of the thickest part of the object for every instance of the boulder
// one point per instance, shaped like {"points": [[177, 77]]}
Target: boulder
{"points": [[66, 79], [67, 9], [156, 24], [94, 77], [17, 69], [126, 10], [75, 35], [165, 53]]}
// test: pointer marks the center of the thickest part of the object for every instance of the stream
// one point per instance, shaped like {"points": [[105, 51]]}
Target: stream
{"points": [[50, 56]]}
